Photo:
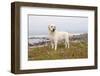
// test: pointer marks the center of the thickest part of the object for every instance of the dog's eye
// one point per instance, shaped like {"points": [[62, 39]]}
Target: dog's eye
{"points": [[54, 26], [51, 26]]}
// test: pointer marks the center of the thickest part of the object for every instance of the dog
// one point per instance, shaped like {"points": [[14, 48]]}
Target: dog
{"points": [[56, 36]]}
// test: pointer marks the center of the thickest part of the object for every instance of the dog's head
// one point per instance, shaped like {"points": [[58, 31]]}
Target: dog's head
{"points": [[52, 27]]}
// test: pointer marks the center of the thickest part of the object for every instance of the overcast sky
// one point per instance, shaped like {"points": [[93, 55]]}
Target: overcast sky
{"points": [[38, 25]]}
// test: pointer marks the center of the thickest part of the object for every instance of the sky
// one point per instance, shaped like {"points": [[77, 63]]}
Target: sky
{"points": [[38, 24]]}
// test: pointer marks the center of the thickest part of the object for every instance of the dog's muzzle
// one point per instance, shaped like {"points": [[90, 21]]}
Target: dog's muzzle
{"points": [[53, 30]]}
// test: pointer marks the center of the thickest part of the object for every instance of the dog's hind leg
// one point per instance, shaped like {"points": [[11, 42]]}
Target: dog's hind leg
{"points": [[67, 43]]}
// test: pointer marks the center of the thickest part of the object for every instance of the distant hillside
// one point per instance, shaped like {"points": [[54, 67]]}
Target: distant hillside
{"points": [[81, 37]]}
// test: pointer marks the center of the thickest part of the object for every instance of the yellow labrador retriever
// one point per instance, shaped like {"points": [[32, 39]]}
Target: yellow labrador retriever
{"points": [[57, 36]]}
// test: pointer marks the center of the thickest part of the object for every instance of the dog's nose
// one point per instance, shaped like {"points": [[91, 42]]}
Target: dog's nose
{"points": [[53, 30]]}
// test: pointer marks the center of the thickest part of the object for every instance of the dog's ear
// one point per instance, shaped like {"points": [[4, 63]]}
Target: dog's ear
{"points": [[49, 27], [55, 27]]}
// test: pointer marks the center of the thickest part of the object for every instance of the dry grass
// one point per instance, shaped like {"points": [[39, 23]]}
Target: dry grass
{"points": [[76, 50]]}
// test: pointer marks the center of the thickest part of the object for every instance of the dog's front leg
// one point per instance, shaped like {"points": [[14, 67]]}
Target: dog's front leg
{"points": [[55, 45], [52, 45]]}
